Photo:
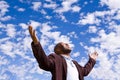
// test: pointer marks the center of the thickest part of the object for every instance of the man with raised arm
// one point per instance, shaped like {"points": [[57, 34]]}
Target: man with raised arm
{"points": [[59, 63]]}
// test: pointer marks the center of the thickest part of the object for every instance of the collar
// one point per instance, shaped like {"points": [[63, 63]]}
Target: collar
{"points": [[66, 57]]}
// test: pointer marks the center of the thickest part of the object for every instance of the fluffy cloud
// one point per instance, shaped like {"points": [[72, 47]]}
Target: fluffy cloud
{"points": [[15, 41], [3, 8], [89, 19], [67, 6], [56, 36], [21, 9], [112, 4], [10, 29], [36, 5], [92, 29], [108, 50], [52, 5], [5, 18]]}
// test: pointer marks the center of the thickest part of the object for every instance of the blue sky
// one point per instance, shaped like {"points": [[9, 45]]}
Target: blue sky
{"points": [[87, 25]]}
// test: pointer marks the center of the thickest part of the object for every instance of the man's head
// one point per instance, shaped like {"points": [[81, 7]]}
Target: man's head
{"points": [[62, 48]]}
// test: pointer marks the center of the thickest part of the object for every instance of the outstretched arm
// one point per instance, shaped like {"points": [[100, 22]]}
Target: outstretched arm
{"points": [[92, 60], [44, 61]]}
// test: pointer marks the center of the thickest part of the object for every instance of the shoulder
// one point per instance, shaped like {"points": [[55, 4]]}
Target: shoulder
{"points": [[56, 56]]}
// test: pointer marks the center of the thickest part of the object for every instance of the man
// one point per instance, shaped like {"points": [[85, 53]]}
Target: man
{"points": [[60, 64]]}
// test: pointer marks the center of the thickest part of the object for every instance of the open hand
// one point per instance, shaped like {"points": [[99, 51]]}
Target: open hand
{"points": [[93, 55], [32, 34]]}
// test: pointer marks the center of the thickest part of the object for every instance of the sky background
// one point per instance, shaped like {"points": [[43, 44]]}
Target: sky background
{"points": [[87, 25]]}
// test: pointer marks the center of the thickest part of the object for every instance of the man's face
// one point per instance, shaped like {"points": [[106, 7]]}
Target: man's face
{"points": [[66, 48]]}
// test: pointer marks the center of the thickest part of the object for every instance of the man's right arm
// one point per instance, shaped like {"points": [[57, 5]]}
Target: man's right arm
{"points": [[44, 62]]}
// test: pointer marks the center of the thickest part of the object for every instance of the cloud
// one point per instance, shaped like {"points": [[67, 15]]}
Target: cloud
{"points": [[3, 8], [36, 5], [74, 55], [67, 6], [3, 60], [92, 29], [10, 29], [72, 34], [89, 19], [7, 48], [2, 25], [5, 18], [112, 4], [35, 24], [15, 41], [21, 9], [52, 5], [23, 25], [107, 45]]}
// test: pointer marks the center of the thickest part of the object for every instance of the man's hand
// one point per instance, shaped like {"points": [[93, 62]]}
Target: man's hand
{"points": [[93, 55], [33, 35]]}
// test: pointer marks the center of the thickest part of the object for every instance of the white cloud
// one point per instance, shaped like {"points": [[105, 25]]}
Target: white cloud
{"points": [[5, 18], [43, 11], [10, 29], [92, 29], [7, 48], [47, 34], [52, 5], [48, 17], [21, 9], [73, 34], [36, 5], [2, 25], [112, 4], [74, 55], [67, 6], [98, 17], [62, 17], [109, 41], [108, 50], [3, 61], [35, 24], [3, 8], [75, 8], [23, 25], [83, 61], [89, 19]]}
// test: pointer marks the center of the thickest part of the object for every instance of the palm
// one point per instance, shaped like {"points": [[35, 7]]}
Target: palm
{"points": [[32, 34], [94, 55]]}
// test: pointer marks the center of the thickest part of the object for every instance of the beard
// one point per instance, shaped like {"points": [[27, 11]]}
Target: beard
{"points": [[66, 51]]}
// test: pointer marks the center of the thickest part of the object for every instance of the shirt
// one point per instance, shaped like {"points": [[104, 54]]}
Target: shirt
{"points": [[72, 72]]}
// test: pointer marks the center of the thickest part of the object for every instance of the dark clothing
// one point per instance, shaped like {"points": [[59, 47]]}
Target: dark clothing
{"points": [[57, 65]]}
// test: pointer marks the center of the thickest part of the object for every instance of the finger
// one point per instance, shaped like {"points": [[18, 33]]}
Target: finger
{"points": [[30, 27], [34, 33], [96, 53], [31, 30]]}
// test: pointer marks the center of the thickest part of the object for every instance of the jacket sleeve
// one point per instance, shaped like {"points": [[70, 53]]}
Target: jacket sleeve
{"points": [[45, 62], [88, 67]]}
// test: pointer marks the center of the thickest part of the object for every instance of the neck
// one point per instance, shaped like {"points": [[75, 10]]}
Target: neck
{"points": [[67, 55]]}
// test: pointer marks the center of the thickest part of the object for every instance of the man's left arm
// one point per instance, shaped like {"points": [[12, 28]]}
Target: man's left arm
{"points": [[90, 64]]}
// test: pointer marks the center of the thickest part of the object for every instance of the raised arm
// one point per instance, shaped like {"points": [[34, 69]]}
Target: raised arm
{"points": [[90, 64], [44, 61]]}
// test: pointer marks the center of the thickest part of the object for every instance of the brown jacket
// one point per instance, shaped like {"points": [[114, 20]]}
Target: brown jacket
{"points": [[56, 64]]}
